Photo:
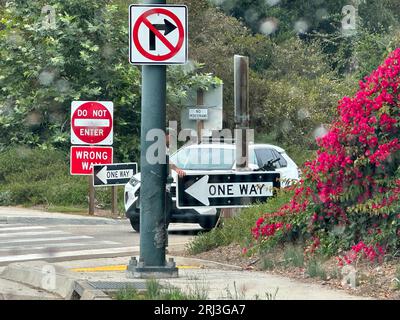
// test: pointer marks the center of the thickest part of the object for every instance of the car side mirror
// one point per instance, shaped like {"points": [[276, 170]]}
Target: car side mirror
{"points": [[253, 166]]}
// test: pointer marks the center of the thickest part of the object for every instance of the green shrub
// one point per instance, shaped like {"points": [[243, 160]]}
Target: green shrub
{"points": [[267, 263], [315, 269], [294, 256], [41, 177]]}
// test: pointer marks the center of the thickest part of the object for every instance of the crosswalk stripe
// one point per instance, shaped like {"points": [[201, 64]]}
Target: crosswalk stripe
{"points": [[6, 225], [22, 228], [23, 234], [52, 255], [57, 245], [30, 240]]}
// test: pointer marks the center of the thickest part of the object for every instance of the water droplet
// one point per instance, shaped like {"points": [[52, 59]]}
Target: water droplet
{"points": [[33, 118], [320, 132], [321, 14], [56, 117], [272, 2], [15, 38], [218, 2], [46, 78], [62, 85], [287, 125], [189, 67], [303, 114], [269, 26], [107, 51], [301, 26]]}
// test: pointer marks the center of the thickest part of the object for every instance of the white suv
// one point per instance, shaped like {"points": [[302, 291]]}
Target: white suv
{"points": [[208, 157]]}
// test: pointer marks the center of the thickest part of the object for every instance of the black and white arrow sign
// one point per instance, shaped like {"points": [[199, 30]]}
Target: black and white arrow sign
{"points": [[226, 190], [168, 27], [113, 174]]}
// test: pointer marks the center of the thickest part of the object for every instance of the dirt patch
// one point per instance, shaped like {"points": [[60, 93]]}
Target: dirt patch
{"points": [[377, 281]]}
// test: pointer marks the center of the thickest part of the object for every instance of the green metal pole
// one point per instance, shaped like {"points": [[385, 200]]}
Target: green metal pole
{"points": [[153, 231]]}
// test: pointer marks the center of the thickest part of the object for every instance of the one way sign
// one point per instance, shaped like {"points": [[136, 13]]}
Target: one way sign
{"points": [[226, 190], [113, 174], [158, 34]]}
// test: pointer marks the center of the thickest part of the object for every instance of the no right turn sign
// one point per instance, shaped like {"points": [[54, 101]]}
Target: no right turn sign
{"points": [[158, 34]]}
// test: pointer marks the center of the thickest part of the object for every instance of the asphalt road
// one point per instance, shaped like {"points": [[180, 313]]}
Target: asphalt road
{"points": [[45, 239]]}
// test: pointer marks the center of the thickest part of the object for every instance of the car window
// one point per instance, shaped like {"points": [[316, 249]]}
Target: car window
{"points": [[204, 158], [282, 163], [263, 156]]}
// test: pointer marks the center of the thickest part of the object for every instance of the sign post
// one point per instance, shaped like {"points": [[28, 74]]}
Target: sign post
{"points": [[200, 123], [242, 118], [157, 37], [91, 124]]}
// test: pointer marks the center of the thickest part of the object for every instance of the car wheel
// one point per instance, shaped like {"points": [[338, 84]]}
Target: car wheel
{"points": [[209, 222], [135, 223]]}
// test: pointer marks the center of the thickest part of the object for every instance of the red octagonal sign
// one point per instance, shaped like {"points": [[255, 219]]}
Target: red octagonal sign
{"points": [[92, 122]]}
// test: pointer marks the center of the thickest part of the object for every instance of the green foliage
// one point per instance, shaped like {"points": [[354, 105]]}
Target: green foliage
{"points": [[315, 269], [267, 263], [397, 279], [85, 57], [155, 291], [42, 70], [33, 177], [129, 293], [294, 256]]}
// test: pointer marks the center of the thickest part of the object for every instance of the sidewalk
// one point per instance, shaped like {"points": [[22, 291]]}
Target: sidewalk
{"points": [[12, 215], [217, 281]]}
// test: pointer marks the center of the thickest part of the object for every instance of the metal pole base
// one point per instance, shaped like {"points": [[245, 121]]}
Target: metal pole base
{"points": [[138, 270]]}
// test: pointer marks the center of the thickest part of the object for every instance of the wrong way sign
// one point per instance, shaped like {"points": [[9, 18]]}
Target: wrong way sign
{"points": [[92, 122], [225, 190], [158, 34], [113, 174], [83, 158]]}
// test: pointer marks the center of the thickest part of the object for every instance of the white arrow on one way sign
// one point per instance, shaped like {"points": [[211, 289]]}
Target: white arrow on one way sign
{"points": [[203, 191]]}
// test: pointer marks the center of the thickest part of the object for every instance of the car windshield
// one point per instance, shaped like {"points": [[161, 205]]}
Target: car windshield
{"points": [[204, 158]]}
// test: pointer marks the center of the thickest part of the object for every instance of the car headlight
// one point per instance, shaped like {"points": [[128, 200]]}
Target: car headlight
{"points": [[133, 182]]}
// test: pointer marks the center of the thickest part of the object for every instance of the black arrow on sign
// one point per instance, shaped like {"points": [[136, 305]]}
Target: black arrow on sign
{"points": [[168, 27]]}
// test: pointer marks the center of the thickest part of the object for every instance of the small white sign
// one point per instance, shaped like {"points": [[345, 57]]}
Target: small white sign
{"points": [[198, 114]]}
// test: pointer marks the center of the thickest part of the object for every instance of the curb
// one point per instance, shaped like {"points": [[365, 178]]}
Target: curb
{"points": [[205, 263], [53, 279]]}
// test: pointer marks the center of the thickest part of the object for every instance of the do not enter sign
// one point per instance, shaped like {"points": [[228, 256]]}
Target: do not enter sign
{"points": [[92, 122]]}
